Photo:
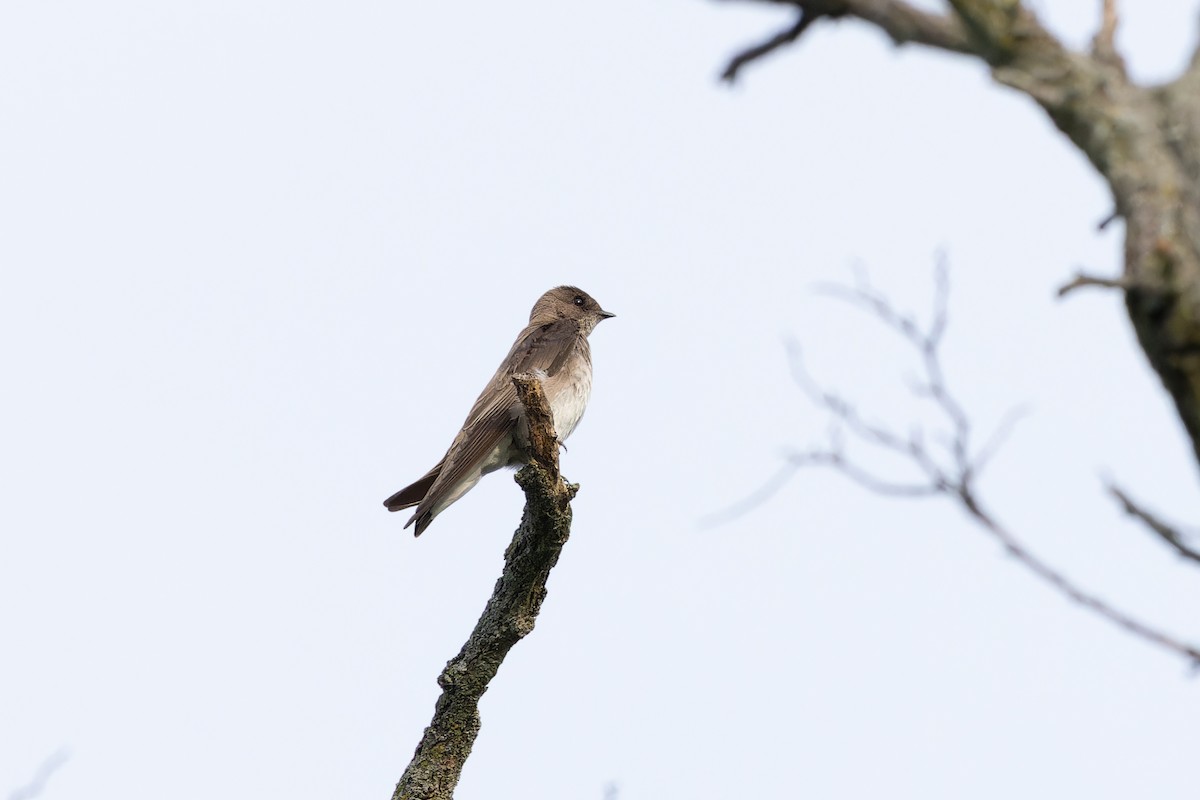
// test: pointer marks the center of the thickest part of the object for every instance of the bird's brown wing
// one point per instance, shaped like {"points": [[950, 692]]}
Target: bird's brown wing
{"points": [[546, 348], [415, 492]]}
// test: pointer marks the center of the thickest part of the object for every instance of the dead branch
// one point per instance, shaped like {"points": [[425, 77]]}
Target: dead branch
{"points": [[1168, 533], [37, 784], [781, 39], [1104, 45], [1082, 279], [899, 20], [509, 615], [1144, 141], [954, 473]]}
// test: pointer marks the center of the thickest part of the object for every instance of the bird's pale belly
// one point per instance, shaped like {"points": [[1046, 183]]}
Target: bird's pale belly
{"points": [[568, 399]]}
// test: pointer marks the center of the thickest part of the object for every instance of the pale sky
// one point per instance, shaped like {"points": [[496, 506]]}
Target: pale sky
{"points": [[260, 257]]}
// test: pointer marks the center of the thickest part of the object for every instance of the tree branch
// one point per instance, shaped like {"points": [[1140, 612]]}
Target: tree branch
{"points": [[784, 37], [37, 784], [899, 20], [509, 615], [904, 24], [1144, 141], [1193, 67], [1082, 279], [1064, 585], [1168, 533], [954, 473], [1104, 45]]}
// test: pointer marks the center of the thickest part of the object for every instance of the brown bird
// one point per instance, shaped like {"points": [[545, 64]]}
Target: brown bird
{"points": [[553, 346]]}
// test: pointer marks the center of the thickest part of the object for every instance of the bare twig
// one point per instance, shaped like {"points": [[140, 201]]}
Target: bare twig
{"points": [[781, 39], [509, 616], [1143, 140], [1082, 279], [953, 474], [1001, 433], [837, 460], [1193, 66], [1168, 533], [37, 784], [761, 495], [1063, 584], [1104, 47], [901, 21]]}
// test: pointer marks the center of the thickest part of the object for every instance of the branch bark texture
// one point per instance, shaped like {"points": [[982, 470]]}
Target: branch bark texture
{"points": [[1143, 140], [509, 615]]}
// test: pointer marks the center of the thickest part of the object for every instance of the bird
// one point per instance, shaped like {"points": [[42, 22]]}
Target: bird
{"points": [[553, 346]]}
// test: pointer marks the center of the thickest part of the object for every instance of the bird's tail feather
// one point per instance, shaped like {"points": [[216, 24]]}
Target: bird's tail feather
{"points": [[413, 493]]}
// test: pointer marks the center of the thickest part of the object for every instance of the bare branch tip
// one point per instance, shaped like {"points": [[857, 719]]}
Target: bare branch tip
{"points": [[810, 12], [1170, 534], [753, 500], [37, 784], [1113, 216], [955, 477], [782, 39], [1083, 279], [1104, 46]]}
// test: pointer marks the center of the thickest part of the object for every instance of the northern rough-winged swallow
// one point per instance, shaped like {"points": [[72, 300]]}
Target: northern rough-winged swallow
{"points": [[553, 346]]}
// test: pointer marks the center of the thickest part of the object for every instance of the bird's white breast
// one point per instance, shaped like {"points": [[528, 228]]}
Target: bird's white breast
{"points": [[568, 403]]}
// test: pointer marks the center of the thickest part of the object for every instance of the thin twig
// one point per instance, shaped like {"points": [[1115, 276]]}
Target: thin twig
{"points": [[1168, 533], [1104, 46], [37, 784], [1063, 584], [873, 483], [1082, 279], [902, 22], [954, 474], [781, 39], [1001, 433], [752, 501]]}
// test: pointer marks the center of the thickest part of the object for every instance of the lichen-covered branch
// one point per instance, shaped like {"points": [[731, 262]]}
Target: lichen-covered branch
{"points": [[1144, 141], [509, 615]]}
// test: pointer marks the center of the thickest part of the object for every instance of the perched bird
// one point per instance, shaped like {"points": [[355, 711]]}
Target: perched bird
{"points": [[553, 346]]}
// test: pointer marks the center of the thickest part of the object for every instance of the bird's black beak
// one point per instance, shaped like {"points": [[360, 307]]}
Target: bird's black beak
{"points": [[606, 314]]}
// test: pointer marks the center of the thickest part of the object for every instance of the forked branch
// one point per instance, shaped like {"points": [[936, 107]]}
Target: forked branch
{"points": [[951, 470]]}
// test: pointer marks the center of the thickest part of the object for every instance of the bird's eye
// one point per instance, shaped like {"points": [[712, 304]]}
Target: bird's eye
{"points": [[578, 300]]}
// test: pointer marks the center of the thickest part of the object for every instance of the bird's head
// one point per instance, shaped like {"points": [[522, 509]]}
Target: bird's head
{"points": [[568, 302]]}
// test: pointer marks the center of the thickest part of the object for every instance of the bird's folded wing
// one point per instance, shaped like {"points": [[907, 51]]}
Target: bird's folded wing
{"points": [[545, 348]]}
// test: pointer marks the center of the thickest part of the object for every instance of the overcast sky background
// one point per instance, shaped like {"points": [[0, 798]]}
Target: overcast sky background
{"points": [[260, 257]]}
